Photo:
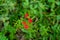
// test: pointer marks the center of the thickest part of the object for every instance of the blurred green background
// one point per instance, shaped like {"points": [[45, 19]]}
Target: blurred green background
{"points": [[44, 13]]}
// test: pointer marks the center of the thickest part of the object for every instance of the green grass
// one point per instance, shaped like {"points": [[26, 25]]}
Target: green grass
{"points": [[44, 13]]}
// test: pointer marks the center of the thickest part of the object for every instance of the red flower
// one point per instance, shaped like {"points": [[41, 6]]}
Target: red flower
{"points": [[26, 15], [24, 23], [26, 26], [30, 20]]}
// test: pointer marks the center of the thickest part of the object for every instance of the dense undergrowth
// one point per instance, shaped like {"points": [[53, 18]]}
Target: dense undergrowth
{"points": [[29, 20]]}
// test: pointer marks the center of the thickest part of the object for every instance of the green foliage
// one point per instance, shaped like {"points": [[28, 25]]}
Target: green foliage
{"points": [[44, 13]]}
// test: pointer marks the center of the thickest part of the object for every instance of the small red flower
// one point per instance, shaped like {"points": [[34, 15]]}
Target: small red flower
{"points": [[26, 26], [26, 15], [30, 20], [24, 23]]}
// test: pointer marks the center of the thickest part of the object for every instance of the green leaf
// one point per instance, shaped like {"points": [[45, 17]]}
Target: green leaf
{"points": [[2, 37], [58, 3], [58, 17], [51, 0]]}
